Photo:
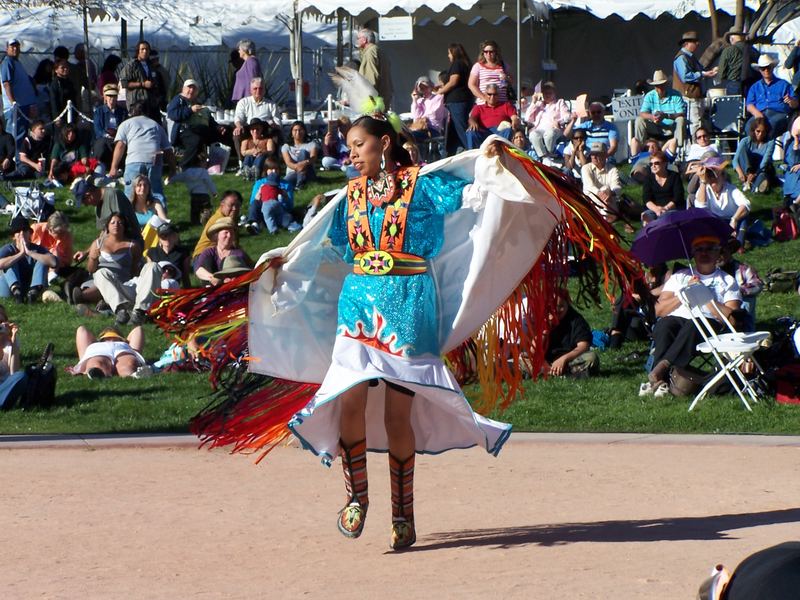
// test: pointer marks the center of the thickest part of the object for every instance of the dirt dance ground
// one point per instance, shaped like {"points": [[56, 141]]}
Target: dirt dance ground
{"points": [[600, 517]]}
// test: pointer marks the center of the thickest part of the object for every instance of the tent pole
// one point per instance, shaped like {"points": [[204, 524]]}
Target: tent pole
{"points": [[518, 82], [339, 37], [298, 49], [123, 37], [141, 30]]}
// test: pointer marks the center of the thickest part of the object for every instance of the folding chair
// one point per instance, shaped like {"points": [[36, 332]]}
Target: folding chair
{"points": [[727, 121], [730, 349], [29, 202]]}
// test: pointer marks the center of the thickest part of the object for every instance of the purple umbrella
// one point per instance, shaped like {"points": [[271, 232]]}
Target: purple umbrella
{"points": [[670, 237]]}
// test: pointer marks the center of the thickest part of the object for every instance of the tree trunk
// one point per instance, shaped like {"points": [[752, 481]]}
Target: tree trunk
{"points": [[738, 22]]}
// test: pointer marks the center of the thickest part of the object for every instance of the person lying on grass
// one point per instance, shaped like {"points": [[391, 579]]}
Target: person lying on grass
{"points": [[109, 353]]}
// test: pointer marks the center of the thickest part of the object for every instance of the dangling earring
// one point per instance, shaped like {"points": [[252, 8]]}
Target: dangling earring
{"points": [[383, 161]]}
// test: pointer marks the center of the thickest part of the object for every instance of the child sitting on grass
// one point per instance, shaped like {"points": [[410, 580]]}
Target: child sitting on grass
{"points": [[270, 204]]}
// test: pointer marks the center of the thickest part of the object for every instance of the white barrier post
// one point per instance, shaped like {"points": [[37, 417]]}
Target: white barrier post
{"points": [[69, 112]]}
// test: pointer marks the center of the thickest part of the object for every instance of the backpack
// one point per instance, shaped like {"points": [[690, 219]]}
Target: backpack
{"points": [[41, 389], [784, 225], [781, 281], [787, 384]]}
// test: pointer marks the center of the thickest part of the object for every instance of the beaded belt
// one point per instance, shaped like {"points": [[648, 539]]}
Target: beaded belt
{"points": [[381, 262]]}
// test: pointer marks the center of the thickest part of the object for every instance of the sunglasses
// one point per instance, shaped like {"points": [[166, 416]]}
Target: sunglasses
{"points": [[490, 51], [655, 163]]}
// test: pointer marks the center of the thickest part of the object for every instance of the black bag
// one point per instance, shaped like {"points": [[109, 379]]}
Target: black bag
{"points": [[41, 389], [511, 92]]}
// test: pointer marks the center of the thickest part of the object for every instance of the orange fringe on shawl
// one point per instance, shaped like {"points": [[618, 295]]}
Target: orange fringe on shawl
{"points": [[513, 342]]}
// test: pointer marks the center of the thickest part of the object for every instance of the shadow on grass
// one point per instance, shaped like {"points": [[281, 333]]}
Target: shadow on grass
{"points": [[89, 395], [714, 527]]}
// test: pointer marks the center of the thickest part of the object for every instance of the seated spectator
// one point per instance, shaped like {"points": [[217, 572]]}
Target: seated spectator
{"points": [[269, 204], [209, 261], [145, 205], [299, 157], [229, 206], [109, 354], [335, 153], [791, 183], [520, 141], [62, 90], [576, 154], [597, 129], [770, 98], [70, 156], [662, 191], [640, 170], [569, 343], [702, 147], [201, 188], [427, 110], [722, 198], [172, 257], [635, 320], [115, 264], [8, 151], [13, 381], [24, 265], [254, 106], [753, 158], [675, 336], [107, 118], [56, 237], [601, 182], [33, 153], [256, 150], [492, 117], [750, 284], [662, 114], [232, 267], [547, 115], [196, 127]]}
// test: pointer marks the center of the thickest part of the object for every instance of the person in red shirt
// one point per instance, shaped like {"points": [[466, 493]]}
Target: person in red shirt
{"points": [[486, 119]]}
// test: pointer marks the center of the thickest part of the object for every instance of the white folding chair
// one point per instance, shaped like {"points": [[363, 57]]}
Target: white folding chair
{"points": [[729, 349]]}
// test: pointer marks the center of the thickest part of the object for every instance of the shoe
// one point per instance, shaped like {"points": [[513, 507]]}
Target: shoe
{"points": [[16, 293], [95, 373], [75, 295], [240, 172], [646, 389], [82, 310], [252, 228], [143, 372], [746, 186], [661, 390], [121, 316], [242, 221], [205, 215], [138, 317], [103, 308], [403, 535], [33, 294], [351, 518], [49, 296], [763, 187], [293, 226]]}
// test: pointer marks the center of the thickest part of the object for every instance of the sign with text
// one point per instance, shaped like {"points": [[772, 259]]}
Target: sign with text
{"points": [[626, 108], [395, 28]]}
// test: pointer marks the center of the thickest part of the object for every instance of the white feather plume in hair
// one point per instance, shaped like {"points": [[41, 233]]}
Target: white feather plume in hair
{"points": [[361, 94]]}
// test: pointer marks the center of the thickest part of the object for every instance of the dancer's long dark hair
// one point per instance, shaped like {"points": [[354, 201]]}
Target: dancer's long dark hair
{"points": [[380, 128]]}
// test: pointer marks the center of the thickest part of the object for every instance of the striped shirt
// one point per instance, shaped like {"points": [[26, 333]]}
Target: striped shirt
{"points": [[488, 75]]}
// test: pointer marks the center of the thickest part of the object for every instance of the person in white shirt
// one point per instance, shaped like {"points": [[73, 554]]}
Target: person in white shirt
{"points": [[427, 110], [548, 115], [601, 181], [722, 198], [254, 106], [675, 336]]}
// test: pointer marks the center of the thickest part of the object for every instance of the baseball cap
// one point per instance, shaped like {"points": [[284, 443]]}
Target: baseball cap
{"points": [[189, 82], [12, 42], [110, 89], [166, 228]]}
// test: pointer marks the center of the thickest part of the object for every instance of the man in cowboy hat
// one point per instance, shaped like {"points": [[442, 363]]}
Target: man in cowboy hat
{"points": [[687, 77], [662, 114], [770, 97]]}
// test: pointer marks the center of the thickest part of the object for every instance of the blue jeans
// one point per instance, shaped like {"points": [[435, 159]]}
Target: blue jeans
{"points": [[271, 214], [459, 112], [153, 172], [475, 138], [778, 122], [25, 273], [255, 161], [17, 121], [299, 179], [13, 388]]}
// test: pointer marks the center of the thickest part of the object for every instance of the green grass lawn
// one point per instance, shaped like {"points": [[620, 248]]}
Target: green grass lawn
{"points": [[165, 402]]}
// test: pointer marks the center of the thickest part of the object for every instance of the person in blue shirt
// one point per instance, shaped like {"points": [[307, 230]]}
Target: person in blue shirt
{"points": [[687, 77], [793, 62], [771, 98], [17, 89], [107, 118], [662, 114], [753, 158], [791, 184], [598, 130]]}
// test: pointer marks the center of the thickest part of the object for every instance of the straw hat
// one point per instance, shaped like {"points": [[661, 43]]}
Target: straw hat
{"points": [[220, 224], [659, 78], [232, 266]]}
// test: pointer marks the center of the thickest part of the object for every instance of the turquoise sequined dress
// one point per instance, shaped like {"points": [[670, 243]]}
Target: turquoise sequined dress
{"points": [[387, 331], [401, 311]]}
